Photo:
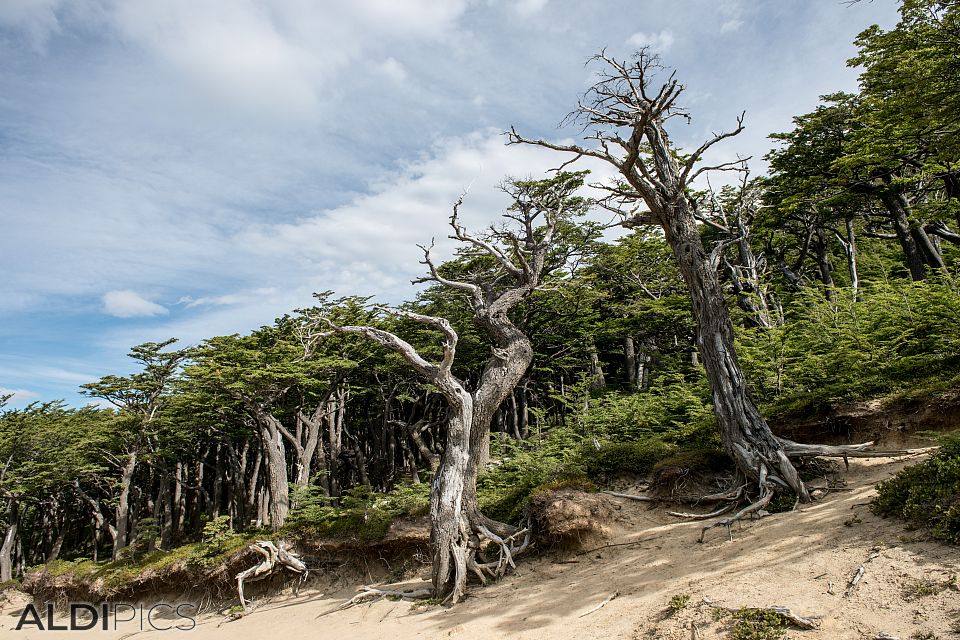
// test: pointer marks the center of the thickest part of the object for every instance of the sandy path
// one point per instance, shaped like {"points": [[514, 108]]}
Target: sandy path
{"points": [[793, 560]]}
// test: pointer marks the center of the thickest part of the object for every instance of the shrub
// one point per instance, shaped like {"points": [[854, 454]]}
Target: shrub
{"points": [[362, 514], [758, 624], [615, 458], [927, 494]]}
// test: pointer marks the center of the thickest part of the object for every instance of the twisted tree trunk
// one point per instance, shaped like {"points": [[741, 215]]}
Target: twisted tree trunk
{"points": [[746, 435]]}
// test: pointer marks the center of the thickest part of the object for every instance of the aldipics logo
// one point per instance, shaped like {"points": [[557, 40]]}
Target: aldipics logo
{"points": [[110, 616]]}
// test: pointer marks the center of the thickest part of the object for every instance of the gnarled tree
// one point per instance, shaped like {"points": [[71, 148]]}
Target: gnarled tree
{"points": [[624, 116], [509, 266]]}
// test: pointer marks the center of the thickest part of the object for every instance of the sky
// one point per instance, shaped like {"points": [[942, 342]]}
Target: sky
{"points": [[192, 168]]}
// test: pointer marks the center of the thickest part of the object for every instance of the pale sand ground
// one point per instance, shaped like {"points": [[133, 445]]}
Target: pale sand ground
{"points": [[793, 560]]}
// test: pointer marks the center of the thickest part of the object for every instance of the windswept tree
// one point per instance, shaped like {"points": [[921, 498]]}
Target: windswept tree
{"points": [[508, 264], [624, 117], [139, 398]]}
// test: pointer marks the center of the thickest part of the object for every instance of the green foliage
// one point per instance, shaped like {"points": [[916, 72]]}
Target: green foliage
{"points": [[758, 624], [217, 532], [927, 494], [615, 458], [678, 603], [842, 349], [362, 514], [503, 491], [671, 409]]}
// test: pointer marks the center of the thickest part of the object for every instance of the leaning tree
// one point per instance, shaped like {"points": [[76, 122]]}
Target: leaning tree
{"points": [[505, 266], [624, 118]]}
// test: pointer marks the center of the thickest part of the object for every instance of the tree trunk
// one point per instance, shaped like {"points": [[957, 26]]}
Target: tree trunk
{"points": [[746, 435], [823, 263], [897, 206], [449, 526], [598, 381], [123, 504], [9, 541], [630, 362], [850, 247], [276, 468], [500, 376]]}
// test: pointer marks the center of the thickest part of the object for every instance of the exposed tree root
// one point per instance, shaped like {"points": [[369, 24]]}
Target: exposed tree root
{"points": [[275, 557], [507, 547], [601, 605], [703, 516], [766, 495], [372, 594], [630, 496], [768, 482]]}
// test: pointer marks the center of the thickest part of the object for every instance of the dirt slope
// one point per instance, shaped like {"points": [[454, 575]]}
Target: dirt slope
{"points": [[794, 560]]}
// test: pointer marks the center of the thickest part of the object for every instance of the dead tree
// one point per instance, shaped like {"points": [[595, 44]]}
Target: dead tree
{"points": [[513, 264], [449, 527], [521, 257], [624, 117]]}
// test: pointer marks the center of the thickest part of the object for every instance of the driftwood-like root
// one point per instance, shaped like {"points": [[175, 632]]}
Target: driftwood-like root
{"points": [[507, 548], [768, 482], [275, 557], [801, 622], [755, 507], [703, 516]]}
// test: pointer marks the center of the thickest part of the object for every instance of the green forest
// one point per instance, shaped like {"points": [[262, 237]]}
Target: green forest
{"points": [[544, 355]]}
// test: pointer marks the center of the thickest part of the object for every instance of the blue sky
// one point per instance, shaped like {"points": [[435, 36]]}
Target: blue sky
{"points": [[189, 168]]}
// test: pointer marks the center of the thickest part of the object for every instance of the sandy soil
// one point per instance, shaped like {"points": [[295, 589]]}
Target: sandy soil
{"points": [[801, 560]]}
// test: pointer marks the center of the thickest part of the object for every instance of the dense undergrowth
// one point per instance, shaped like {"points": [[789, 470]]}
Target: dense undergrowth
{"points": [[927, 495]]}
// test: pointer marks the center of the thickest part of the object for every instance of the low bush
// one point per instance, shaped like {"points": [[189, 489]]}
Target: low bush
{"points": [[615, 458], [927, 494]]}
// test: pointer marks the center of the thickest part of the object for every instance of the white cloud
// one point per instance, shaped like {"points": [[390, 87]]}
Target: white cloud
{"points": [[731, 25], [367, 246], [130, 304], [393, 70], [278, 56], [659, 42], [229, 299], [19, 396], [529, 7]]}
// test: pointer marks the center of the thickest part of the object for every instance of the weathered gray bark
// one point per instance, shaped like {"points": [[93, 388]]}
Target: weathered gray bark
{"points": [[449, 526], [9, 540], [123, 504], [630, 362], [276, 467], [627, 116], [897, 206], [849, 244]]}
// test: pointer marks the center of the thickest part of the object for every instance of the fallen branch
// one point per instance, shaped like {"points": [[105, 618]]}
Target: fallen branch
{"points": [[630, 496], [858, 575], [601, 605], [371, 594]]}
